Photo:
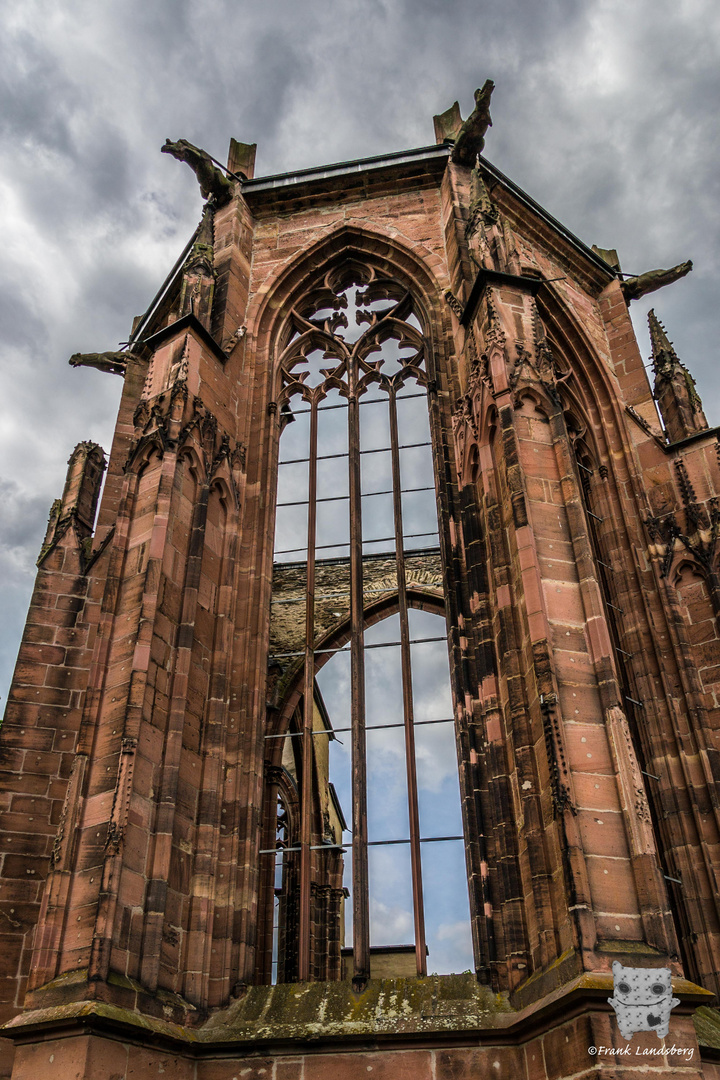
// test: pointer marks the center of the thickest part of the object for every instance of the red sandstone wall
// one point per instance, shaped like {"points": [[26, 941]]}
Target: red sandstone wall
{"points": [[557, 1055]]}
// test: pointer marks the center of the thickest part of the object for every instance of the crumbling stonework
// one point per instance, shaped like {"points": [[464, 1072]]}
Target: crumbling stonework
{"points": [[577, 570], [287, 622]]}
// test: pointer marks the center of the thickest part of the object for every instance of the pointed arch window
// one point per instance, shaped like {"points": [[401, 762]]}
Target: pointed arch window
{"points": [[356, 504]]}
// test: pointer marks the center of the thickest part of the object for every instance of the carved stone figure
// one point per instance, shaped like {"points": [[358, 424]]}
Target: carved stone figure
{"points": [[198, 284], [635, 287], [213, 182], [115, 363], [471, 140]]}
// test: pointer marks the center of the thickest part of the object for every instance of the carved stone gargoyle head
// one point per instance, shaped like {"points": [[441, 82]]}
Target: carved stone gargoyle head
{"points": [[213, 182], [471, 140]]}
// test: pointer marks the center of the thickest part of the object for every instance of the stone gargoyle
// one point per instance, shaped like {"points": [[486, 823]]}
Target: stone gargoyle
{"points": [[471, 140], [213, 182], [635, 287], [115, 363]]}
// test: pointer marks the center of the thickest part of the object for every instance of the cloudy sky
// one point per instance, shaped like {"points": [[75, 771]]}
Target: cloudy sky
{"points": [[604, 111]]}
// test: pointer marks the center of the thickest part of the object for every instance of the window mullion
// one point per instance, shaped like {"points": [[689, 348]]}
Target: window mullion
{"points": [[308, 708], [414, 815], [361, 899]]}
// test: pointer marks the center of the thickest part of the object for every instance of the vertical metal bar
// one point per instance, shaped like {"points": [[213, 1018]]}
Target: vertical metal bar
{"points": [[361, 901], [267, 883], [308, 703], [418, 908]]}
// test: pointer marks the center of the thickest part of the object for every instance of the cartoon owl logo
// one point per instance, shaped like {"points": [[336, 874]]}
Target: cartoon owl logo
{"points": [[642, 999]]}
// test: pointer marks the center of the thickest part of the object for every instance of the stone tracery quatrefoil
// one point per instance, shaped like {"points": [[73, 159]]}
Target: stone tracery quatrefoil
{"points": [[351, 330]]}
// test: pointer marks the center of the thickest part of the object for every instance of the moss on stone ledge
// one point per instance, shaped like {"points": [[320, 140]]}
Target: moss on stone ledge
{"points": [[707, 1026], [303, 1013], [314, 1010]]}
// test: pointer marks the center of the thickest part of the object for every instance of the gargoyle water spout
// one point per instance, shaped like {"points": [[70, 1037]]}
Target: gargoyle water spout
{"points": [[213, 182]]}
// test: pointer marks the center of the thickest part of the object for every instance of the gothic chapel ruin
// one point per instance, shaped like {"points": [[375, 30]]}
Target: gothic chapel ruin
{"points": [[371, 714]]}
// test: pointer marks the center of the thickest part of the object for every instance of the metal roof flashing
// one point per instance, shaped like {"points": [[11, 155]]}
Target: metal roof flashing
{"points": [[346, 168]]}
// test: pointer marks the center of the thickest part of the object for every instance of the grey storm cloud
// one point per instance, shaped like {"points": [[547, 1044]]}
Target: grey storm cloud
{"points": [[605, 112]]}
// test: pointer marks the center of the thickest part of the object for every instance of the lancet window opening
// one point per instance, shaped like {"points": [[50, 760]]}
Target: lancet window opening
{"points": [[356, 480], [284, 951]]}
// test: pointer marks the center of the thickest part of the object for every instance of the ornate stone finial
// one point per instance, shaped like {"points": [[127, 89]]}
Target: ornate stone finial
{"points": [[664, 357], [198, 285], [78, 504], [482, 220], [202, 249], [448, 124], [635, 287], [675, 392], [608, 255], [241, 159], [490, 240], [115, 363], [480, 199], [471, 139], [213, 182]]}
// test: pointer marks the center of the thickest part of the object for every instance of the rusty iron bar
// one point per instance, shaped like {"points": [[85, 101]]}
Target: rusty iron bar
{"points": [[344, 648], [406, 670], [371, 843], [328, 596], [308, 705], [268, 877], [346, 592], [341, 498], [315, 847], [361, 402], [378, 450], [361, 899], [372, 540], [368, 727], [421, 840], [428, 549]]}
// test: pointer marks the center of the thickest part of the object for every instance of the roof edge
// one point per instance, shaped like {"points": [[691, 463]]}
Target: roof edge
{"points": [[548, 218], [343, 168], [279, 181]]}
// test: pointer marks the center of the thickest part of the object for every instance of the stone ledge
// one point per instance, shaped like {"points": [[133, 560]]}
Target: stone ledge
{"points": [[391, 1013], [707, 1029], [59, 1019]]}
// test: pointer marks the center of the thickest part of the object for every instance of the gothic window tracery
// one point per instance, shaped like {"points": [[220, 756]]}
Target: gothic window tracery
{"points": [[356, 506], [347, 350]]}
